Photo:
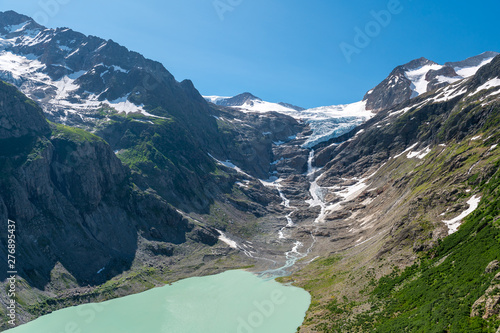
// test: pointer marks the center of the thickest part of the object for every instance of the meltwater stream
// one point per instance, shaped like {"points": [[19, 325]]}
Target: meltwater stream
{"points": [[233, 301], [294, 254]]}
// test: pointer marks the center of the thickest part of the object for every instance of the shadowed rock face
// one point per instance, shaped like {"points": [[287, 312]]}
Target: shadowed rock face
{"points": [[433, 77], [19, 116], [486, 73], [71, 199]]}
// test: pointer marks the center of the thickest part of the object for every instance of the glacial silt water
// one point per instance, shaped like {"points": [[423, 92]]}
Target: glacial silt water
{"points": [[234, 301]]}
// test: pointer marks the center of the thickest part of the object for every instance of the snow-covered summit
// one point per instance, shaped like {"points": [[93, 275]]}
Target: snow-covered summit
{"points": [[470, 66], [420, 76], [73, 76], [405, 82], [247, 102]]}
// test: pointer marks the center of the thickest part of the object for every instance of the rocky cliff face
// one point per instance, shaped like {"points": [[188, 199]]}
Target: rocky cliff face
{"points": [[20, 116], [72, 199]]}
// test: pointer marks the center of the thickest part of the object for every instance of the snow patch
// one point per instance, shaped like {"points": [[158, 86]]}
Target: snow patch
{"points": [[493, 83], [446, 79], [223, 238], [353, 191], [406, 109], [406, 150], [419, 154], [19, 66], [76, 75], [230, 165], [448, 93], [454, 223], [119, 69], [470, 71], [417, 78], [215, 99], [17, 27]]}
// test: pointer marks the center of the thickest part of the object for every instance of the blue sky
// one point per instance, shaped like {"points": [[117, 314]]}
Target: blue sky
{"points": [[282, 50]]}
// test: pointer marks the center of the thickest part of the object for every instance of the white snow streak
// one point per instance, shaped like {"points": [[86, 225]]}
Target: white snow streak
{"points": [[454, 223]]}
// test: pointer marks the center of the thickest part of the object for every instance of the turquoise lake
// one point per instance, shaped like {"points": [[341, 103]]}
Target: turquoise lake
{"points": [[234, 301]]}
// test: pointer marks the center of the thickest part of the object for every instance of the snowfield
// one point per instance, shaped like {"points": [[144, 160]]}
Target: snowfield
{"points": [[326, 122]]}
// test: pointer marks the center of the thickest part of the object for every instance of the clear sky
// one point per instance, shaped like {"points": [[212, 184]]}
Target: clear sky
{"points": [[281, 50]]}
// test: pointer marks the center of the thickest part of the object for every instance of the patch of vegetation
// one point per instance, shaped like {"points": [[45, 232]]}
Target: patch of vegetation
{"points": [[437, 294], [73, 133], [142, 279], [142, 154], [328, 261]]}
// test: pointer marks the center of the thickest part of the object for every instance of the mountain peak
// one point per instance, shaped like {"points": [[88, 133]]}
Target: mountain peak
{"points": [[418, 63], [11, 21], [247, 96], [12, 17], [248, 102], [420, 76], [238, 100], [84, 73]]}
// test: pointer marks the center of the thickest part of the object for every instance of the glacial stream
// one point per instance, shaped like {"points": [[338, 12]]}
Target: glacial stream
{"points": [[233, 301], [294, 254]]}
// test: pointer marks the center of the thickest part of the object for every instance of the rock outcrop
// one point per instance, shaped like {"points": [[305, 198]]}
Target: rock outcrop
{"points": [[71, 199]]}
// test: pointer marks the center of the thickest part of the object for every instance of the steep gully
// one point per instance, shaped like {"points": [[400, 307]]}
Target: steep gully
{"points": [[317, 195]]}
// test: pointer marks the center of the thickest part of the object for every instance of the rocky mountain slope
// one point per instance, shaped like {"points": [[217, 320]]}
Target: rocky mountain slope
{"points": [[138, 181], [421, 232], [81, 220], [420, 76], [134, 204], [162, 129]]}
